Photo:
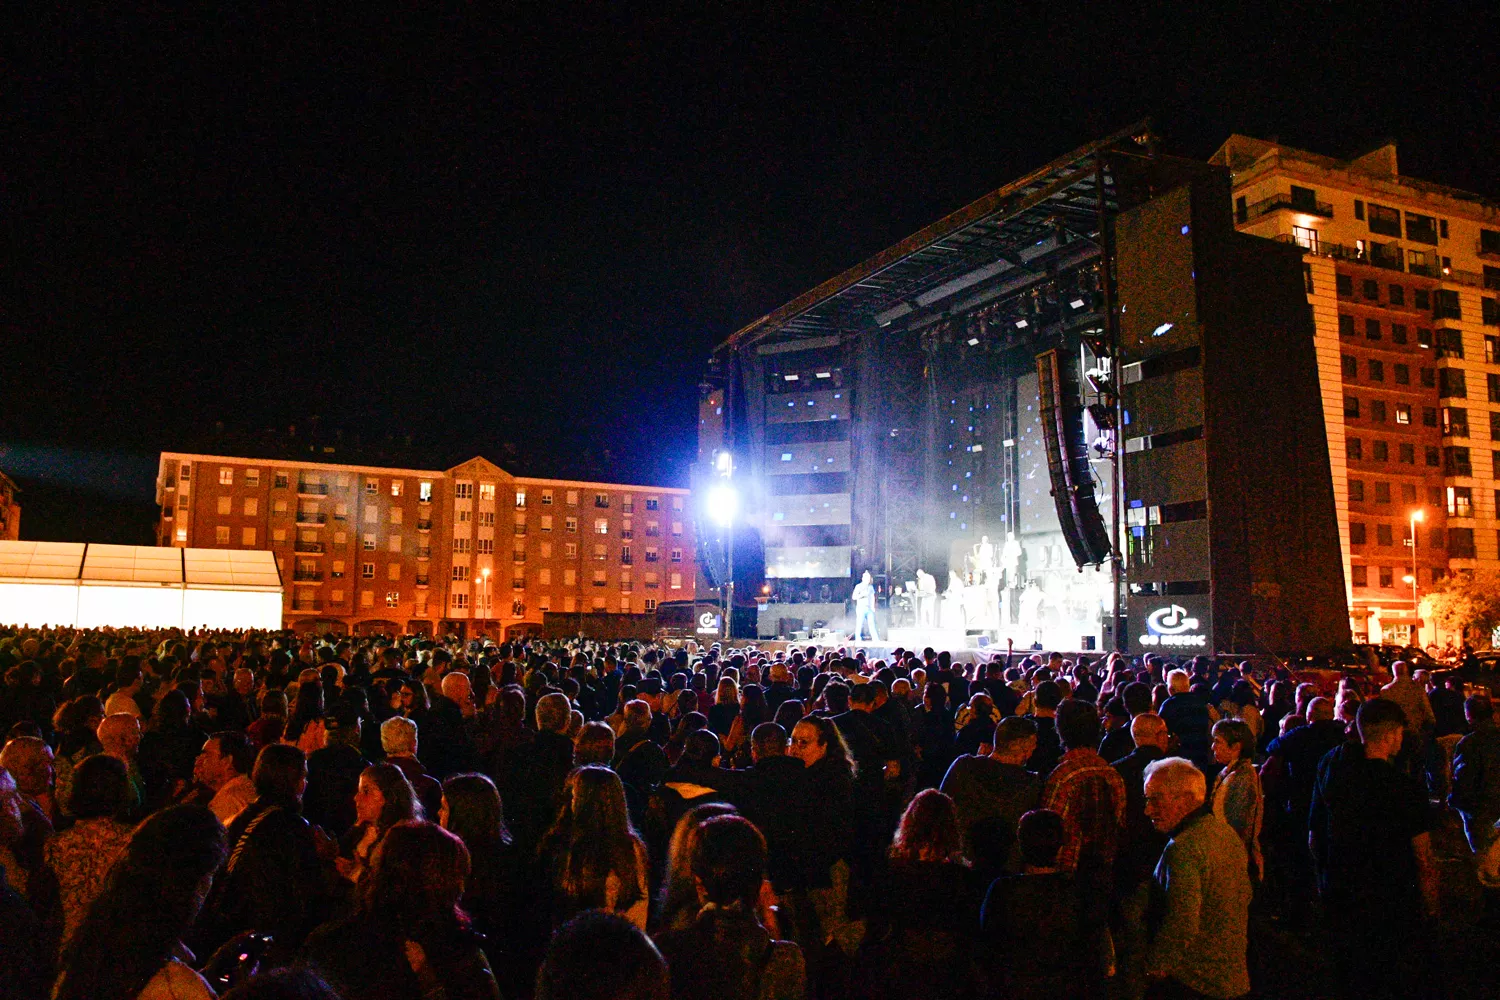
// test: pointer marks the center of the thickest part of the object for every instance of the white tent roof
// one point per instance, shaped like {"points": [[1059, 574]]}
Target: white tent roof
{"points": [[93, 563]]}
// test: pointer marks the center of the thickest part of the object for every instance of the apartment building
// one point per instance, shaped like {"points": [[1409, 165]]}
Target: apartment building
{"points": [[1403, 277], [10, 511], [466, 550]]}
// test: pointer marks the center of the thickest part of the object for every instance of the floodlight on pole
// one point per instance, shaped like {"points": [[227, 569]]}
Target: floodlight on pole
{"points": [[723, 504]]}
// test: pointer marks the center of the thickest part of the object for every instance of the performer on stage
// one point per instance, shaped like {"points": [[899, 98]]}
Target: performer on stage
{"points": [[864, 607]]}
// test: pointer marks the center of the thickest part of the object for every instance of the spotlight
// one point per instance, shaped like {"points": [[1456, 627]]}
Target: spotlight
{"points": [[723, 503]]}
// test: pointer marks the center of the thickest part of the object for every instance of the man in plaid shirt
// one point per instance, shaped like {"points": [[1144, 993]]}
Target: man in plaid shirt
{"points": [[1090, 797]]}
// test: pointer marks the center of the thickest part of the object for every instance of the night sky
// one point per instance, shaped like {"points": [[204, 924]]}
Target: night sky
{"points": [[530, 231]]}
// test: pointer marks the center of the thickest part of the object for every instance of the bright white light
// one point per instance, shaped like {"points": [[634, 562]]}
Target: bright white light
{"points": [[1021, 324], [791, 378], [1076, 303], [973, 341], [723, 503], [825, 374], [1162, 329], [723, 461]]}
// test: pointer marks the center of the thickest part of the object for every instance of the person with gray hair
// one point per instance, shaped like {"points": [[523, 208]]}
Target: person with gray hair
{"points": [[1203, 878], [398, 738]]}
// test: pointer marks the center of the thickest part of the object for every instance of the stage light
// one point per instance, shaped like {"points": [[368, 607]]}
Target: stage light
{"points": [[723, 462], [973, 341], [791, 378], [825, 374], [723, 503], [1162, 329]]}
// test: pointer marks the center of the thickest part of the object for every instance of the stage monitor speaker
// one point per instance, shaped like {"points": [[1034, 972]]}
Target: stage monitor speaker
{"points": [[1068, 461]]}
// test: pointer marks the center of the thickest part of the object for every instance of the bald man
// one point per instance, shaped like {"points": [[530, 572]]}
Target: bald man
{"points": [[120, 736], [29, 760]]}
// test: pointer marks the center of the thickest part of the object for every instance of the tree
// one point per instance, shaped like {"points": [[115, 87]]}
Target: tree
{"points": [[1468, 604]]}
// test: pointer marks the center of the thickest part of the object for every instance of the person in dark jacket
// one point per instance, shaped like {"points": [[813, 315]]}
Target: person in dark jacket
{"points": [[1141, 845], [407, 937], [934, 737], [398, 737], [727, 953], [1048, 750], [1476, 793], [273, 880], [992, 792], [770, 794], [1187, 717], [333, 774], [828, 790], [1287, 778], [169, 746]]}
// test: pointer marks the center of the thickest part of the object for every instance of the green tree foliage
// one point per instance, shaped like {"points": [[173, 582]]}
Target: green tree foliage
{"points": [[1469, 605]]}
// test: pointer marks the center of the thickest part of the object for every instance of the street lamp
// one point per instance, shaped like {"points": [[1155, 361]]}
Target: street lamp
{"points": [[486, 608], [1416, 516], [723, 504]]}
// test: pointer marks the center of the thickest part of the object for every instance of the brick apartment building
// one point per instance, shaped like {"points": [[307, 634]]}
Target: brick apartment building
{"points": [[1403, 277], [467, 550], [10, 511]]}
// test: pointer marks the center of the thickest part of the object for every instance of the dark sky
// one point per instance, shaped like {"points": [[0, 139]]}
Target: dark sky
{"points": [[531, 228]]}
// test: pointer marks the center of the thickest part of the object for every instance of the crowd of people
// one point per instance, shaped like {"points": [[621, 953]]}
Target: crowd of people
{"points": [[265, 815]]}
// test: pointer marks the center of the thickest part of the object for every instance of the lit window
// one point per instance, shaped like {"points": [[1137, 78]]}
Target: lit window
{"points": [[368, 542], [570, 578], [545, 577], [372, 516], [521, 499], [600, 554], [392, 598], [572, 498], [486, 491], [252, 506], [572, 526], [396, 516], [393, 544], [226, 476], [601, 526], [247, 536], [676, 581], [393, 571], [546, 522], [252, 477], [367, 598], [182, 534], [677, 503], [676, 527], [221, 534], [424, 492], [224, 505], [599, 578]]}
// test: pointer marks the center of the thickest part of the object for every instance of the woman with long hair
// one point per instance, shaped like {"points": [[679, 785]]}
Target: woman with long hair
{"points": [[726, 707], [753, 711], [931, 905], [77, 723], [384, 798], [129, 944], [678, 905], [272, 722], [307, 711], [473, 812], [407, 936], [80, 857], [169, 746], [595, 857]]}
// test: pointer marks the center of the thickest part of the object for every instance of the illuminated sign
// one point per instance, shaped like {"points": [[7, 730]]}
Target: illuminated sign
{"points": [[1172, 626], [708, 623]]}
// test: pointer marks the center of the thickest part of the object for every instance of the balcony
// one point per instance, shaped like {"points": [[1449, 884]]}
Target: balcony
{"points": [[422, 581], [424, 525], [308, 517], [424, 552], [309, 548], [1278, 202], [307, 606], [1489, 249], [308, 576], [312, 489], [1382, 255], [1457, 277]]}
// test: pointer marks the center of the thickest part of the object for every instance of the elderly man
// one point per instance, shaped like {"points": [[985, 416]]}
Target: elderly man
{"points": [[29, 760], [120, 736], [1204, 880], [398, 738]]}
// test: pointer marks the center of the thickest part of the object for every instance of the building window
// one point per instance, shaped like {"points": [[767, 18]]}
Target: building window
{"points": [[460, 545], [518, 609], [392, 598], [368, 542], [1460, 501], [1385, 576], [544, 577], [1383, 535], [1456, 462], [247, 536], [1398, 333], [1382, 492], [1408, 493], [1372, 329], [484, 546], [1377, 370], [1351, 407], [546, 498], [252, 506], [463, 490], [1445, 304], [1371, 290], [652, 503], [1357, 490], [1455, 421], [1408, 453], [1397, 295], [367, 571], [650, 605], [1377, 411], [1383, 220], [1429, 378], [1380, 451], [625, 529], [486, 518], [652, 555], [675, 581], [463, 516], [1421, 229], [1403, 413], [1351, 371], [1401, 374], [424, 492], [1346, 325], [600, 553], [396, 515], [367, 598], [601, 500], [1434, 457], [677, 527], [546, 522], [1450, 344], [460, 600], [518, 582], [625, 555], [601, 526], [1343, 284], [1451, 383], [521, 528], [570, 550], [677, 555], [1356, 533], [572, 498], [677, 503], [624, 605], [1354, 448], [570, 578], [600, 578], [486, 491], [627, 504], [337, 572], [221, 534], [223, 506], [1461, 543], [226, 475], [571, 526]]}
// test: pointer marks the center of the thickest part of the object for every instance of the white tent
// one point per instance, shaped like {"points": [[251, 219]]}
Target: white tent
{"points": [[89, 586]]}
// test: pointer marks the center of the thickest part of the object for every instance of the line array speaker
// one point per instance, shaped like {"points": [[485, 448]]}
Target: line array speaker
{"points": [[1068, 462]]}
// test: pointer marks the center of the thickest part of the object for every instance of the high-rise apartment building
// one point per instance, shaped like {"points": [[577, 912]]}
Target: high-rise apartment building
{"points": [[463, 550], [10, 511], [1403, 277]]}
